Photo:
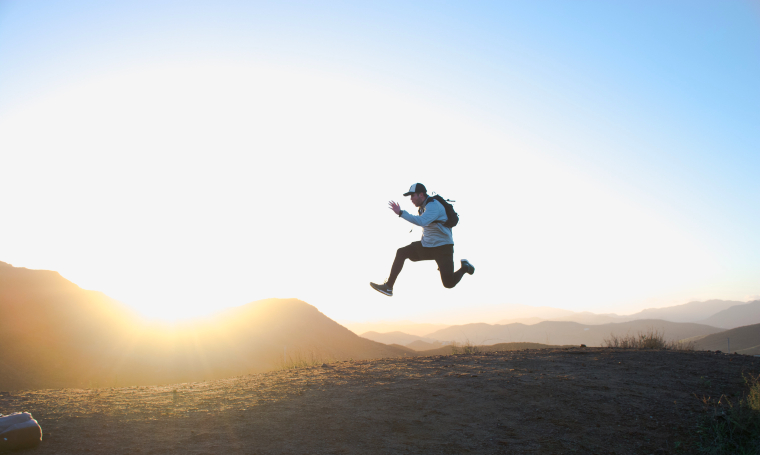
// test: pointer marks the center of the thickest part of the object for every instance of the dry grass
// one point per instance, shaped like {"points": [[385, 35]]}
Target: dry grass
{"points": [[651, 339], [464, 348], [303, 360], [732, 427]]}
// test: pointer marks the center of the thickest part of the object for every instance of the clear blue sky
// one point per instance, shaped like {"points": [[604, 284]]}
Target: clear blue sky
{"points": [[587, 124]]}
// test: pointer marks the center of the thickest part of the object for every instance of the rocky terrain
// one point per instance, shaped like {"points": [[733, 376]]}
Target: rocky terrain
{"points": [[569, 400]]}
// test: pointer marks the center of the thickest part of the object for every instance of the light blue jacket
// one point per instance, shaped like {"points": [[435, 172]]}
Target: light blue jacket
{"points": [[433, 234]]}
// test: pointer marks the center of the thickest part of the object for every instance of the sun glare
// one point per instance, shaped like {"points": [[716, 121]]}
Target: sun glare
{"points": [[185, 189]]}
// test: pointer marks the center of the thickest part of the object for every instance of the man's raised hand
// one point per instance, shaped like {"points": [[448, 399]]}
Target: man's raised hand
{"points": [[395, 207]]}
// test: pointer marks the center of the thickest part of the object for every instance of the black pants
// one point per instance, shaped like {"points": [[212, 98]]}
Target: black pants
{"points": [[442, 255]]}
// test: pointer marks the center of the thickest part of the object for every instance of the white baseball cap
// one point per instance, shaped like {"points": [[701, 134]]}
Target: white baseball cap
{"points": [[416, 188]]}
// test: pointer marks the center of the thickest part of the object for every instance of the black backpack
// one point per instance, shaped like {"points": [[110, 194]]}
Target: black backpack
{"points": [[452, 216]]}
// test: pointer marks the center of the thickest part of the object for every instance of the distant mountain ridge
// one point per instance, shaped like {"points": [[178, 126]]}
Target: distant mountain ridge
{"points": [[688, 312], [412, 328], [698, 312], [566, 332], [736, 316], [551, 333], [718, 315], [54, 334], [395, 338]]}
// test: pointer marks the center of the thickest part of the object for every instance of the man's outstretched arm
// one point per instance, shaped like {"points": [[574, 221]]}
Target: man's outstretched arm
{"points": [[433, 212]]}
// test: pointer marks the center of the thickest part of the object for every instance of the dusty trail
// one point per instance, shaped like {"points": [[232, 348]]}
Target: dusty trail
{"points": [[591, 400]]}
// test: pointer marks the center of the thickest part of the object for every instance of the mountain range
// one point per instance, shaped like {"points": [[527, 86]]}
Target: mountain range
{"points": [[690, 320], [397, 338], [554, 332], [705, 312], [725, 314], [55, 334], [412, 328]]}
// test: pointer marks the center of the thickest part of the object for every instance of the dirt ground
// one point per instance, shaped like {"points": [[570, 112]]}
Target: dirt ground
{"points": [[579, 400]]}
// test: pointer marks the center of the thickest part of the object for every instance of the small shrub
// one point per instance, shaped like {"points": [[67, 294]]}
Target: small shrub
{"points": [[732, 427], [465, 348], [651, 339], [469, 348]]}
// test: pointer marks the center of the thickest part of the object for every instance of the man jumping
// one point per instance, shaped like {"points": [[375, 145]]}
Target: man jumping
{"points": [[437, 242]]}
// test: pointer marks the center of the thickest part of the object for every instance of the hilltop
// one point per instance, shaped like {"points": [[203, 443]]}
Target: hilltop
{"points": [[548, 401]]}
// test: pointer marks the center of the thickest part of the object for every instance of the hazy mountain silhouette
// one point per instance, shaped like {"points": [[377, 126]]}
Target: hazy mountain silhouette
{"points": [[688, 312], [412, 328], [587, 317], [526, 321], [525, 312], [744, 340], [735, 316], [420, 345], [401, 338], [584, 317], [565, 332], [407, 340], [55, 334]]}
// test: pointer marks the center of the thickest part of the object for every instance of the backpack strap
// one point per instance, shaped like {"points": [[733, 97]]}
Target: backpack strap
{"points": [[427, 201], [424, 204]]}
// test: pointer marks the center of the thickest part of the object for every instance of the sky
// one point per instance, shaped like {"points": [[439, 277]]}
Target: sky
{"points": [[185, 157]]}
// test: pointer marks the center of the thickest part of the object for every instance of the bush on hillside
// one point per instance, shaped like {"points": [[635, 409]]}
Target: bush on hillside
{"points": [[651, 339]]}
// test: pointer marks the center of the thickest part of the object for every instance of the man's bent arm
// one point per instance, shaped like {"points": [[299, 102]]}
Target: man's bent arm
{"points": [[433, 211]]}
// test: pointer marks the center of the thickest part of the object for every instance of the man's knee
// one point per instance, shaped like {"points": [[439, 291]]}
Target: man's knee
{"points": [[448, 280]]}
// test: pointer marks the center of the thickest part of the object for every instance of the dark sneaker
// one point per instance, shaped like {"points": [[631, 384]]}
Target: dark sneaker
{"points": [[469, 268], [383, 289]]}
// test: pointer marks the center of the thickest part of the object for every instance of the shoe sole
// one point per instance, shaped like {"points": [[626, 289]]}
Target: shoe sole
{"points": [[381, 291]]}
